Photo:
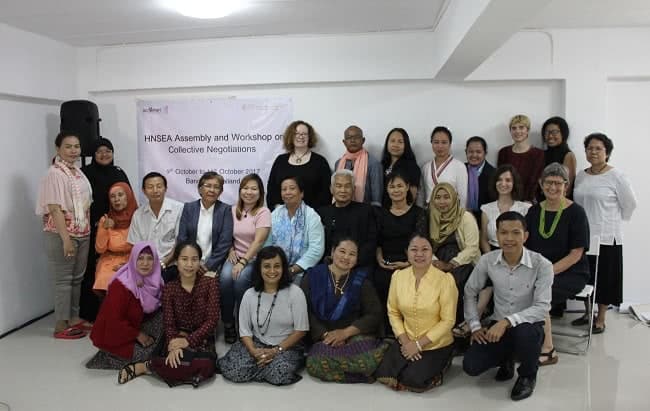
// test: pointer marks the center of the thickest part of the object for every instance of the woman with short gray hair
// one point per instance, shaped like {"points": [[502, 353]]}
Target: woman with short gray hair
{"points": [[559, 230]]}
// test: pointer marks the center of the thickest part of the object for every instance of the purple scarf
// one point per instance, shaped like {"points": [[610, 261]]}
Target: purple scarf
{"points": [[472, 193], [147, 289]]}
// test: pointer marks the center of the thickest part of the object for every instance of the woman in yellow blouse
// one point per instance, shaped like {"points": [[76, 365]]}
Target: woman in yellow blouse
{"points": [[422, 311]]}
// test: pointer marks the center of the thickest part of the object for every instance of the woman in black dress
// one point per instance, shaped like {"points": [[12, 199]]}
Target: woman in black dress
{"points": [[398, 156]]}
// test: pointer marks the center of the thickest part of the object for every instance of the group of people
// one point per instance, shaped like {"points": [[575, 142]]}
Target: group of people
{"points": [[338, 261]]}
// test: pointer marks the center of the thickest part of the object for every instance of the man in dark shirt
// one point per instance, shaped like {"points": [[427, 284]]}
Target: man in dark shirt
{"points": [[522, 295], [347, 217]]}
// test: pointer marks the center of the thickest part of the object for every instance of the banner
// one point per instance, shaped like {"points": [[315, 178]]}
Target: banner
{"points": [[182, 139]]}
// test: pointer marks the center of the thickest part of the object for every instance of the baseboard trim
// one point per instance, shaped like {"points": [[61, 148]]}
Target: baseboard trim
{"points": [[20, 327]]}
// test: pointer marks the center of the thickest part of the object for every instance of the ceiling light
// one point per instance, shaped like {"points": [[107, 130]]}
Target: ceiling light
{"points": [[205, 9]]}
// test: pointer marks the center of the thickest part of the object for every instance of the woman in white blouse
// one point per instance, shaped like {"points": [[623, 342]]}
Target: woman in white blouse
{"points": [[506, 186], [444, 168], [607, 197]]}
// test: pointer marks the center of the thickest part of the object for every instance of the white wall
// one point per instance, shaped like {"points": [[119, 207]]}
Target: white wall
{"points": [[379, 81], [35, 75]]}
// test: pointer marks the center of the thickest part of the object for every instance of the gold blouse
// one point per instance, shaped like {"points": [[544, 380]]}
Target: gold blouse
{"points": [[430, 310]]}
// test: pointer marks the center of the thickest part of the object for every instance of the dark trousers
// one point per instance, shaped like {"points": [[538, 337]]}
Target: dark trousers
{"points": [[524, 342]]}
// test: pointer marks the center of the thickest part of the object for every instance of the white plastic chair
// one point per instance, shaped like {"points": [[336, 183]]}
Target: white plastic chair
{"points": [[587, 294]]}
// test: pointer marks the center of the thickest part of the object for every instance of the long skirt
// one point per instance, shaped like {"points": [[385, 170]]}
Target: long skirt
{"points": [[238, 365], [417, 376], [610, 274], [354, 362], [153, 327]]}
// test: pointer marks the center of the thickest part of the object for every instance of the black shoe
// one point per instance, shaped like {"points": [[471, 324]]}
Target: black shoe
{"points": [[229, 333], [557, 311], [506, 371], [584, 320], [523, 388]]}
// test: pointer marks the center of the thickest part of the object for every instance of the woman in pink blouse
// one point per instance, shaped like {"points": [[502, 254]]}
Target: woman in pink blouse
{"points": [[64, 202]]}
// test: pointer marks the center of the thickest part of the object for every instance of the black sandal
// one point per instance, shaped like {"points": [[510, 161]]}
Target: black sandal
{"points": [[550, 360], [229, 333], [129, 373]]}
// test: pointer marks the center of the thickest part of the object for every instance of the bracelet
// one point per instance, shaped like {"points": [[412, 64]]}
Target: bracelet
{"points": [[243, 258], [417, 344], [242, 264], [163, 265], [279, 348]]}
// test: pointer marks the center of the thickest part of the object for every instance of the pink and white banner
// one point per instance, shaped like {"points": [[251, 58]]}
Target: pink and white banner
{"points": [[182, 139]]}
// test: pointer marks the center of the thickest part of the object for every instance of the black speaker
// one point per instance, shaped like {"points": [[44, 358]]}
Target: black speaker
{"points": [[82, 118]]}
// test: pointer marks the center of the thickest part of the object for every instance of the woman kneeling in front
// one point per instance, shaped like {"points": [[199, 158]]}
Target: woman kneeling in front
{"points": [[272, 322], [345, 318], [422, 311]]}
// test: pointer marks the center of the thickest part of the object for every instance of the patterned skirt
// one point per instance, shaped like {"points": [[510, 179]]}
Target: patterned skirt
{"points": [[354, 362], [153, 327], [238, 365]]}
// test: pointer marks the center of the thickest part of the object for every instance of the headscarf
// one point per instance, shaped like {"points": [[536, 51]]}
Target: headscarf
{"points": [[359, 169], [288, 233], [101, 179], [123, 217], [147, 289], [443, 224]]}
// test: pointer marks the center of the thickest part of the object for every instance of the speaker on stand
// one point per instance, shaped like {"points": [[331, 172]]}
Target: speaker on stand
{"points": [[82, 118]]}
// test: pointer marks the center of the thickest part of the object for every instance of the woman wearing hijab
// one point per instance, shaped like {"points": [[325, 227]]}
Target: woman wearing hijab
{"points": [[102, 174], [455, 238], [112, 231], [129, 323]]}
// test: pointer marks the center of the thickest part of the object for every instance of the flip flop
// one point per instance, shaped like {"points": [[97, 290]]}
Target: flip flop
{"points": [[83, 326], [70, 333], [550, 360]]}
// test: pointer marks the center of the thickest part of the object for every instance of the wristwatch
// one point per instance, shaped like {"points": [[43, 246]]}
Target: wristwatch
{"points": [[279, 347]]}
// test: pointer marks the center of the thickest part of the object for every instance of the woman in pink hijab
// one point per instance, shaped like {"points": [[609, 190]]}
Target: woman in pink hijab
{"points": [[129, 324]]}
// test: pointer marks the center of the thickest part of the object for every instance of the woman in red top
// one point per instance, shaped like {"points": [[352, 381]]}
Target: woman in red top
{"points": [[190, 315], [129, 323]]}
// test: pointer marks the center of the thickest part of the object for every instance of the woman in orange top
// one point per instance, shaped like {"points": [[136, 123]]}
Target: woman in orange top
{"points": [[112, 232]]}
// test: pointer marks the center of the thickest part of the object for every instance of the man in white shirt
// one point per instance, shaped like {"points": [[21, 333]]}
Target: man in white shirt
{"points": [[158, 220], [522, 282]]}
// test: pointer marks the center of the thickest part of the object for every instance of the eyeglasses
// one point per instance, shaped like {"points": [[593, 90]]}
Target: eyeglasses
{"points": [[552, 133], [549, 183]]}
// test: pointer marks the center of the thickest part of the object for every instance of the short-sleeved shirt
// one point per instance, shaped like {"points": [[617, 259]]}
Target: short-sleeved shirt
{"points": [[572, 232], [162, 230], [244, 229], [289, 314], [56, 188], [492, 212]]}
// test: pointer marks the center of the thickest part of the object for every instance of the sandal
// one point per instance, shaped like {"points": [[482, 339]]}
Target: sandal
{"points": [[584, 320], [230, 333], [597, 330], [70, 333], [550, 360], [126, 374], [83, 326]]}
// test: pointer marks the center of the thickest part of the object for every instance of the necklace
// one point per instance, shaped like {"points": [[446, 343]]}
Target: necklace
{"points": [[246, 212], [339, 289], [591, 169], [542, 220], [264, 327], [297, 158]]}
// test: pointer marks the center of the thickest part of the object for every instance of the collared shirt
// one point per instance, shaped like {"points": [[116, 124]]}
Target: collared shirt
{"points": [[522, 294], [162, 230], [428, 310], [204, 231]]}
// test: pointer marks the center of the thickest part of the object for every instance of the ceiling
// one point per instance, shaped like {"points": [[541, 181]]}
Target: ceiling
{"points": [[111, 22]]}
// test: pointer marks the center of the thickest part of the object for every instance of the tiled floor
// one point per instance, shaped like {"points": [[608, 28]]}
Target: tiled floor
{"points": [[38, 372]]}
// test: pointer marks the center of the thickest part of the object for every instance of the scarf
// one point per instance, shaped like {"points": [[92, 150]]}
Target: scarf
{"points": [[442, 225], [123, 218], [360, 170], [473, 172], [147, 289], [101, 179], [323, 298], [289, 233], [437, 171], [80, 220]]}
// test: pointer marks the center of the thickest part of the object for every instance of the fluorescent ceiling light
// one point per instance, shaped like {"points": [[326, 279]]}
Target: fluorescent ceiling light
{"points": [[205, 9]]}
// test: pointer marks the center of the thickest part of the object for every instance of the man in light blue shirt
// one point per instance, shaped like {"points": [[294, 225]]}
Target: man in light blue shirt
{"points": [[522, 282]]}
